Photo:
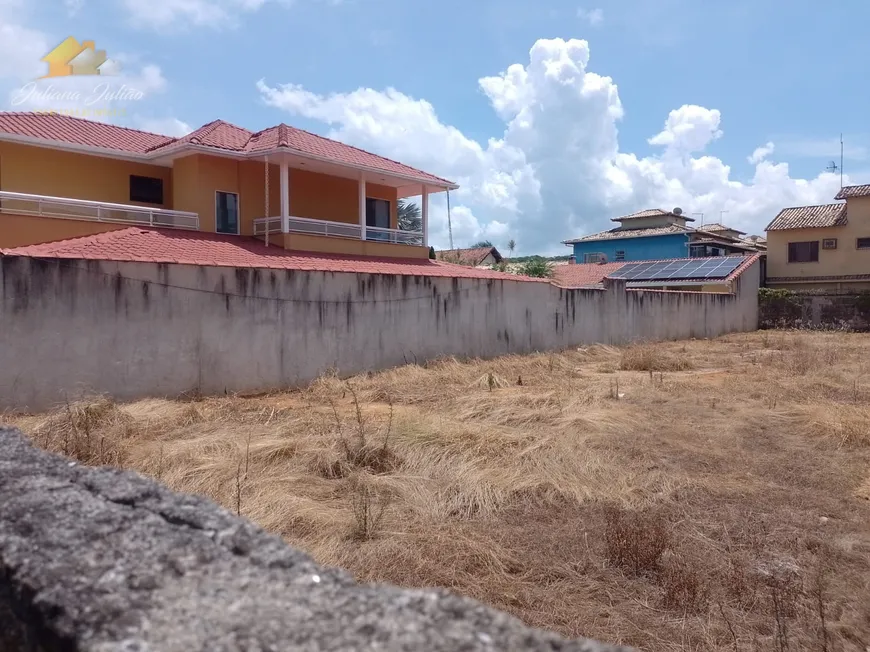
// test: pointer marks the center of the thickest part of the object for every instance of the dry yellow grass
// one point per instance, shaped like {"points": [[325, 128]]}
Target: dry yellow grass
{"points": [[703, 495]]}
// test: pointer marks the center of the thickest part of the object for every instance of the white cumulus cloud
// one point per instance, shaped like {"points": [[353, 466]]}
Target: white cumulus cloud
{"points": [[760, 153], [556, 171], [163, 126]]}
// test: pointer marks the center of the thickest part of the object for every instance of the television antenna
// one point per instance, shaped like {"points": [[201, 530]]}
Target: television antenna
{"points": [[833, 167], [702, 217], [721, 213]]}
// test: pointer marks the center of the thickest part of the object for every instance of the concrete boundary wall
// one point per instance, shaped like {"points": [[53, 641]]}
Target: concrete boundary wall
{"points": [[130, 330], [102, 560]]}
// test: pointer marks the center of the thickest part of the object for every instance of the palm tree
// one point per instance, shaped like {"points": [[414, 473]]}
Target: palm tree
{"points": [[410, 216], [512, 244]]}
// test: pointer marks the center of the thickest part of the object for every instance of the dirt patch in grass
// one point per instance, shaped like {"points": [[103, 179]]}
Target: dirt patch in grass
{"points": [[702, 495]]}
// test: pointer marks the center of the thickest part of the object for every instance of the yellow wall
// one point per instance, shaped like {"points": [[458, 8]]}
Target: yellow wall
{"points": [[845, 260], [322, 244], [22, 230], [827, 286], [312, 195], [43, 171], [190, 185]]}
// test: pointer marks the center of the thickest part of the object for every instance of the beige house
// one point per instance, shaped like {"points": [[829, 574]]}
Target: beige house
{"points": [[822, 247]]}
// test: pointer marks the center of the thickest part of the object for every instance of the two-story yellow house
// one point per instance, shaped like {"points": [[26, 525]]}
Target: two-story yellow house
{"points": [[63, 177], [822, 247]]}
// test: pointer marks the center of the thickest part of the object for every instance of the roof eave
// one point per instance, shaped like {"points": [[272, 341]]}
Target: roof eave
{"points": [[170, 152], [106, 152]]}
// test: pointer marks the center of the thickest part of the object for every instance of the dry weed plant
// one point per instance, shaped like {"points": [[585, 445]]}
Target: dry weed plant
{"points": [[700, 495]]}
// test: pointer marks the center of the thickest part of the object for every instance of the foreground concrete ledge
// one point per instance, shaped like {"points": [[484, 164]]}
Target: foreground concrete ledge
{"points": [[107, 561]]}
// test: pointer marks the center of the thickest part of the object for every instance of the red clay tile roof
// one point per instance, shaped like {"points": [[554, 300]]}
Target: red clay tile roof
{"points": [[66, 129], [715, 226], [809, 217], [583, 275], [652, 212], [853, 191], [135, 244], [473, 257], [217, 134], [632, 233]]}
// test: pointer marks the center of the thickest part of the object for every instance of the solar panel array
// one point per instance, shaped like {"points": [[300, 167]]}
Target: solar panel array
{"points": [[688, 269]]}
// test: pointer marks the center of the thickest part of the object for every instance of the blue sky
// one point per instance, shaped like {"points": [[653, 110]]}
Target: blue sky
{"points": [[569, 148]]}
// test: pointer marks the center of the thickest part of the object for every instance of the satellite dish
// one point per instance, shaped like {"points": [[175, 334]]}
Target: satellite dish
{"points": [[678, 211]]}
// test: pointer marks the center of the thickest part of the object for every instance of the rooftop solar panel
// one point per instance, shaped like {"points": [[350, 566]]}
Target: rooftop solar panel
{"points": [[689, 268]]}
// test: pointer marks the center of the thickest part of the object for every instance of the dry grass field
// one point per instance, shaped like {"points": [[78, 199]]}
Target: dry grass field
{"points": [[703, 495]]}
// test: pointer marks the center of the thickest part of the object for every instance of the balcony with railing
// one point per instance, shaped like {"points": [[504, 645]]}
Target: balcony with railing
{"points": [[19, 203], [265, 226]]}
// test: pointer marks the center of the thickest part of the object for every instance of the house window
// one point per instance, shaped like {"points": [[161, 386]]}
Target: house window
{"points": [[619, 254], [863, 243], [146, 190], [594, 258], [378, 216], [803, 252], [829, 243], [226, 215]]}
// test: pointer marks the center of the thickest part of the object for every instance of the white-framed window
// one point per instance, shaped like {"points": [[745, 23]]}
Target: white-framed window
{"points": [[619, 254], [595, 258], [829, 243], [862, 243]]}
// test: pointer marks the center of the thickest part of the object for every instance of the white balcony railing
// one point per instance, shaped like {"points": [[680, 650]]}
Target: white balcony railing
{"points": [[264, 225], [310, 226], [82, 209], [396, 236]]}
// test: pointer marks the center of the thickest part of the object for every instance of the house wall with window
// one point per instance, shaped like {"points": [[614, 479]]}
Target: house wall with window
{"points": [[642, 248], [54, 173], [835, 251], [192, 184]]}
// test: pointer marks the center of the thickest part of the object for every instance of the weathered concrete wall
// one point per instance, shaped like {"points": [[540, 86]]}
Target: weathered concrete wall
{"points": [[102, 560], [788, 309], [142, 329]]}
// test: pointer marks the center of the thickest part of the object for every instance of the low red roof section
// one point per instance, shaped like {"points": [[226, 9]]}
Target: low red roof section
{"points": [[66, 129], [218, 135], [583, 275], [136, 244]]}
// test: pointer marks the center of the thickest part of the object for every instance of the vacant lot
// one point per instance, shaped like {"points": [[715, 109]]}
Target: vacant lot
{"points": [[706, 495]]}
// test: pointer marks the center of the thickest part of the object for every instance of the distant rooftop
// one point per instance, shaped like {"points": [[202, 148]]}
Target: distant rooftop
{"points": [[809, 217], [716, 226], [653, 212], [853, 191]]}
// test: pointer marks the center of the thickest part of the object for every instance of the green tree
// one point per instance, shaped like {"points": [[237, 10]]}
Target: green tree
{"points": [[512, 244], [432, 253], [410, 216], [537, 268], [483, 244]]}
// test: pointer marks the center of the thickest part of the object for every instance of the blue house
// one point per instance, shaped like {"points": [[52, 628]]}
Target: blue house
{"points": [[655, 234]]}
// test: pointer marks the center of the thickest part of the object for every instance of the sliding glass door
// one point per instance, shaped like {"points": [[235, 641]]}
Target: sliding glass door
{"points": [[227, 212]]}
